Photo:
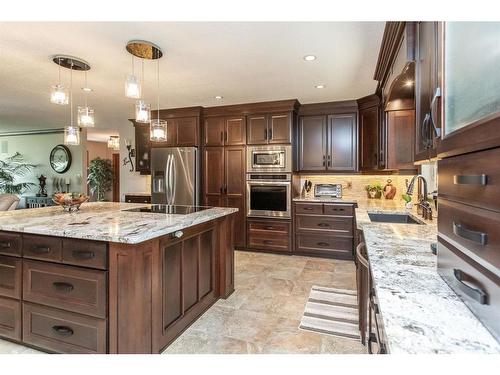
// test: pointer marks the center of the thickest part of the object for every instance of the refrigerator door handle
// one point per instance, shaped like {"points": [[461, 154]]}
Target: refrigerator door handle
{"points": [[167, 179], [174, 181], [171, 178]]}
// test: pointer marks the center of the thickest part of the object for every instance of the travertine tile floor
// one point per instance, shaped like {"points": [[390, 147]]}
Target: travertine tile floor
{"points": [[263, 314]]}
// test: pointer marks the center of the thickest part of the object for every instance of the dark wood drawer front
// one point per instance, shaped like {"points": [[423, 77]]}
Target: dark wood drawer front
{"points": [[339, 209], [327, 245], [42, 247], [474, 228], [472, 178], [308, 208], [138, 199], [85, 253], [330, 224], [269, 242], [10, 318], [66, 287], [271, 227], [10, 244], [62, 331], [10, 277], [478, 288]]}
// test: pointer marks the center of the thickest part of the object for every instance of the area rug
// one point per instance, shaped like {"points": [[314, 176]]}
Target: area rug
{"points": [[331, 311]]}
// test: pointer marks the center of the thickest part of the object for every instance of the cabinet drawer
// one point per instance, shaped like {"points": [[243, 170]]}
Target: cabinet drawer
{"points": [[10, 277], [473, 178], [10, 244], [66, 287], [324, 245], [138, 199], [327, 224], [474, 228], [478, 288], [339, 209], [271, 227], [85, 253], [10, 318], [269, 242], [308, 208], [62, 331], [42, 247]]}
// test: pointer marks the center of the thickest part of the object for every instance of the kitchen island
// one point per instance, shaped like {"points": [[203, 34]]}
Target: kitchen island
{"points": [[107, 279]]}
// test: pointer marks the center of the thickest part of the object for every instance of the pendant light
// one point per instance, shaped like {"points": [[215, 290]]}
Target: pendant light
{"points": [[85, 113], [158, 127], [132, 84], [142, 109], [59, 93], [114, 142], [71, 133]]}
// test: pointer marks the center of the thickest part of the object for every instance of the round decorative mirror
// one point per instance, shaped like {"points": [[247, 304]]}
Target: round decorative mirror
{"points": [[60, 158]]}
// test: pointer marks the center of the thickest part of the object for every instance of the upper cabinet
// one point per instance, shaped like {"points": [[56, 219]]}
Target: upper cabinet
{"points": [[223, 130], [181, 132], [312, 143], [269, 128], [369, 120], [342, 138]]}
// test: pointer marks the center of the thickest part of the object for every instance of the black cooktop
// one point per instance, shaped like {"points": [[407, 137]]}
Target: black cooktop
{"points": [[168, 209]]}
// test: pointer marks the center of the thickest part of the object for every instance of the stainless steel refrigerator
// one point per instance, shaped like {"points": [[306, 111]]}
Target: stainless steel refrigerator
{"points": [[175, 176]]}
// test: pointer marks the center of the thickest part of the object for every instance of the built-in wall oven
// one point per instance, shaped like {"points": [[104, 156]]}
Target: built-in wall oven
{"points": [[269, 159], [269, 195]]}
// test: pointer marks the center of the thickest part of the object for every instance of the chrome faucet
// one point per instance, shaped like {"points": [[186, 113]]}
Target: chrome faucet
{"points": [[423, 206]]}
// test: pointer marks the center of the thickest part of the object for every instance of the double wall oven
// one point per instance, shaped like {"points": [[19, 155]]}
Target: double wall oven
{"points": [[269, 181]]}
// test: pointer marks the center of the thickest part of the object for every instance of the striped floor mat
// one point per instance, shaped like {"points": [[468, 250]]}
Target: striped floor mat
{"points": [[332, 311]]}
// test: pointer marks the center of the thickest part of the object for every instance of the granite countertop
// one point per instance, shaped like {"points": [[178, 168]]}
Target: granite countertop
{"points": [[420, 312], [104, 221]]}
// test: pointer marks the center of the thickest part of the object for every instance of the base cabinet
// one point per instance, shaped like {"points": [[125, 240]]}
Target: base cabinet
{"points": [[269, 235], [10, 318]]}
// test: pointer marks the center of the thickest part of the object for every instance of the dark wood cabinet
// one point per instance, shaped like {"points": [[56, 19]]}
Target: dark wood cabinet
{"points": [[369, 120], [223, 130], [10, 318], [269, 128], [181, 132], [142, 148], [269, 234], [213, 131], [10, 277], [328, 143], [400, 139], [224, 183]]}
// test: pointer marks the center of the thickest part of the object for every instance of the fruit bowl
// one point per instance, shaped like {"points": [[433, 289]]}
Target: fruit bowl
{"points": [[70, 201]]}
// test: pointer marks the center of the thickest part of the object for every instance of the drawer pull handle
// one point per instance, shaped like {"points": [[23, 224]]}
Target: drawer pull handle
{"points": [[323, 244], [41, 250], [268, 242], [269, 227], [471, 235], [5, 245], [63, 330], [307, 208], [338, 209], [323, 225], [480, 179], [63, 287], [83, 254], [464, 280]]}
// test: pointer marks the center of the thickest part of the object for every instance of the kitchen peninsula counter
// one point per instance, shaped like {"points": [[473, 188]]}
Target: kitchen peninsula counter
{"points": [[108, 280]]}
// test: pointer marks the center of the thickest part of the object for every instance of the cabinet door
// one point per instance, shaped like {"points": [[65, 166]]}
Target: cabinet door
{"points": [[187, 132], [342, 143], [235, 132], [400, 139], [426, 79], [312, 143], [213, 131], [368, 138], [257, 130], [213, 176], [142, 149], [235, 189], [280, 128]]}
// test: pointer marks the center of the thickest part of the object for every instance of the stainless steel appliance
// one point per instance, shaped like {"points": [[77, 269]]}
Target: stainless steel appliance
{"points": [[175, 176], [269, 195], [269, 159], [328, 190]]}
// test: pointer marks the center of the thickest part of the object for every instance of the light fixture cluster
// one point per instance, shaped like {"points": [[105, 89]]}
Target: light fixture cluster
{"points": [[133, 90], [114, 142], [63, 95], [312, 58]]}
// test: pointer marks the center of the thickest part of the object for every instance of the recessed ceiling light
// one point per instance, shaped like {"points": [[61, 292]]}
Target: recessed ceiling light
{"points": [[218, 97], [86, 89], [320, 86], [309, 57]]}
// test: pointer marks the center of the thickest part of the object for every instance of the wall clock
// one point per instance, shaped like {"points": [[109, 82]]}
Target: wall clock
{"points": [[60, 158]]}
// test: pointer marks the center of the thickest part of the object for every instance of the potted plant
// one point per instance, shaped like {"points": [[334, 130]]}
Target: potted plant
{"points": [[100, 177], [11, 169], [374, 191], [408, 202]]}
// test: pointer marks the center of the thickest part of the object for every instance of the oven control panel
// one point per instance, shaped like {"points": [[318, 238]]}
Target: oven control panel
{"points": [[328, 190]]}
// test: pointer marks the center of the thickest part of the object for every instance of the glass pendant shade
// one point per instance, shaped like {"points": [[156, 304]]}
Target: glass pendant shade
{"points": [[114, 142], [142, 112], [132, 87], [158, 130], [85, 117], [71, 136], [59, 95]]}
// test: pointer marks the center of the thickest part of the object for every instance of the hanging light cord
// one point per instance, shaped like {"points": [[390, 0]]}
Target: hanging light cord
{"points": [[71, 94], [158, 86], [59, 63], [85, 91], [143, 80]]}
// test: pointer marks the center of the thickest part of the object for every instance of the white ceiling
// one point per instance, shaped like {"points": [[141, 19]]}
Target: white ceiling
{"points": [[243, 62]]}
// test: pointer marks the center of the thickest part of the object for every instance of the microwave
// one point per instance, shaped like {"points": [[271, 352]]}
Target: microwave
{"points": [[269, 159]]}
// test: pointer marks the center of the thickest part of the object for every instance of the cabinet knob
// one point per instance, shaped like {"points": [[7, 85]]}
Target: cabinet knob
{"points": [[178, 234]]}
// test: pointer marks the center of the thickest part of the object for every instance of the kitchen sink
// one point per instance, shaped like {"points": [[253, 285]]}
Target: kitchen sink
{"points": [[378, 217]]}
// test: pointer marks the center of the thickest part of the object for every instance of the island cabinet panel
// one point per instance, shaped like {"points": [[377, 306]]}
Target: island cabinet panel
{"points": [[10, 318], [10, 244], [172, 283], [10, 277], [62, 331], [42, 247], [190, 262], [65, 287], [85, 253]]}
